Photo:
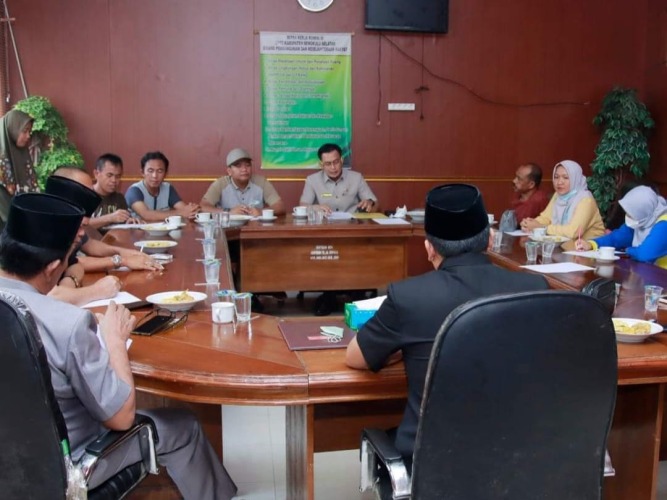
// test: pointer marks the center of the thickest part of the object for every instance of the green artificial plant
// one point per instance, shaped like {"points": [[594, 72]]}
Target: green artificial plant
{"points": [[52, 149], [623, 147]]}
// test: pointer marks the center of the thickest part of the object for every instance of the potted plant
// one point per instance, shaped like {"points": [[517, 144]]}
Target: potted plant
{"points": [[50, 148], [623, 147]]}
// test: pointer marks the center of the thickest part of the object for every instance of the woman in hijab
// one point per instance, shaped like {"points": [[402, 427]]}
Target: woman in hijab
{"points": [[17, 174], [644, 234], [572, 211]]}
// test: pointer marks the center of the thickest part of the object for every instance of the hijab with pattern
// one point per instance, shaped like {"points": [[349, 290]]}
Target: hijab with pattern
{"points": [[17, 174], [566, 204], [644, 206]]}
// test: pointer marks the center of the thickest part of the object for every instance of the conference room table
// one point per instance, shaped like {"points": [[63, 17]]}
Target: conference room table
{"points": [[327, 403]]}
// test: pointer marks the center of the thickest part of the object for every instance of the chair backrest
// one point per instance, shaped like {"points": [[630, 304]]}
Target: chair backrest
{"points": [[31, 425], [518, 400]]}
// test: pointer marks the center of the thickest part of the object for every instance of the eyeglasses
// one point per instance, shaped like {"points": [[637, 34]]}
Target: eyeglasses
{"points": [[334, 163]]}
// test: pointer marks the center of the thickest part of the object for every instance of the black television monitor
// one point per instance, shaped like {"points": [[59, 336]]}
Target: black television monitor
{"points": [[428, 16]]}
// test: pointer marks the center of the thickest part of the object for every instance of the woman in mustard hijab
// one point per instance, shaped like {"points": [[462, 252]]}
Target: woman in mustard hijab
{"points": [[17, 174]]}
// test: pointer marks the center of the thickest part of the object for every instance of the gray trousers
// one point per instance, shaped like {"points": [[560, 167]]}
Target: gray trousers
{"points": [[185, 452]]}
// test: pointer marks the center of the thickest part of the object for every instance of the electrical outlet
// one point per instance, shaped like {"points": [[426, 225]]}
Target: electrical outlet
{"points": [[401, 106]]}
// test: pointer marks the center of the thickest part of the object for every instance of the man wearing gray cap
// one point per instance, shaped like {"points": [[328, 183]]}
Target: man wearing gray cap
{"points": [[91, 376], [241, 191], [405, 326]]}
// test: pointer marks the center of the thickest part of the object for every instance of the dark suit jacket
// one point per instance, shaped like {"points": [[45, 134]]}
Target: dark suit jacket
{"points": [[413, 312]]}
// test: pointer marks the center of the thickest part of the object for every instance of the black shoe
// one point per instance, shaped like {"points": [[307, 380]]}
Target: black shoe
{"points": [[256, 305], [325, 304]]}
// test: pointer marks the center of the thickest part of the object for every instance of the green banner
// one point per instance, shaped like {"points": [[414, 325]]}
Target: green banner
{"points": [[306, 97]]}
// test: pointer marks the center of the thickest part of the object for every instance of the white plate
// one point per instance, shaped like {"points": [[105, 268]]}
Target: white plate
{"points": [[158, 229], [159, 298], [204, 222], [635, 338], [267, 219], [155, 246], [555, 239], [240, 217]]}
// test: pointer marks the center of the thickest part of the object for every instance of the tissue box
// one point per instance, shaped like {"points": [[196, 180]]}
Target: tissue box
{"points": [[355, 318]]}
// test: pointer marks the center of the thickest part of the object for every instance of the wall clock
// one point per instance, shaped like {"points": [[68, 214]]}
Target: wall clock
{"points": [[315, 5]]}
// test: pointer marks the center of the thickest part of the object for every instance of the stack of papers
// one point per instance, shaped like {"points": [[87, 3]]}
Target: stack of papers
{"points": [[120, 298]]}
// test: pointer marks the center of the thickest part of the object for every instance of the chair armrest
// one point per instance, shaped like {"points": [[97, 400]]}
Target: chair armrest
{"points": [[376, 445], [143, 434]]}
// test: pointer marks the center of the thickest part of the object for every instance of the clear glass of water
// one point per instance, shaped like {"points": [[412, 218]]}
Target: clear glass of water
{"points": [[223, 220], [209, 248], [212, 271], [548, 249], [531, 250], [209, 230], [652, 294], [242, 303]]}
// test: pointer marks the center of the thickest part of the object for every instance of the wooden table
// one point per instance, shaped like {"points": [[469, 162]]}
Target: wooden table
{"points": [[355, 254], [328, 403], [634, 442]]}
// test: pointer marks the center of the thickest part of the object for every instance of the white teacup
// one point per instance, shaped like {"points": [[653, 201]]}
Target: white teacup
{"points": [[606, 253], [203, 216], [267, 213], [300, 211], [222, 312], [174, 220], [540, 232]]}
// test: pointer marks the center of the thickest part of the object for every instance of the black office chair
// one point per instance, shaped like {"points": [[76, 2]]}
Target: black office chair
{"points": [[518, 403], [33, 436]]}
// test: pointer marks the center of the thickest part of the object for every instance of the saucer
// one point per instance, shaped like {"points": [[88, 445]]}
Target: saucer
{"points": [[267, 219], [300, 216], [612, 259]]}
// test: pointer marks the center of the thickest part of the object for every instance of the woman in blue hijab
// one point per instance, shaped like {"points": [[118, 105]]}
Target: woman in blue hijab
{"points": [[644, 234]]}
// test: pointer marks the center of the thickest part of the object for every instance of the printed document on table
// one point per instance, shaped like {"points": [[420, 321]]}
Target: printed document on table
{"points": [[591, 254], [391, 222], [558, 267], [120, 298]]}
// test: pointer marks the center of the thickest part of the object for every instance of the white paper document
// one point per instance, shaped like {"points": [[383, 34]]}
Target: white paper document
{"points": [[124, 226], [120, 298], [591, 254], [517, 232], [558, 267], [339, 216], [392, 222]]}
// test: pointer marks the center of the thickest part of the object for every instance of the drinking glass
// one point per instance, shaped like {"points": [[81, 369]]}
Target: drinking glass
{"points": [[209, 230], [548, 249], [652, 294], [531, 250], [226, 295], [223, 219], [209, 248], [212, 271], [242, 303], [497, 239]]}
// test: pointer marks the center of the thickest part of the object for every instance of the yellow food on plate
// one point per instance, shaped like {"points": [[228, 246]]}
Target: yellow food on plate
{"points": [[184, 296], [155, 244], [639, 328]]}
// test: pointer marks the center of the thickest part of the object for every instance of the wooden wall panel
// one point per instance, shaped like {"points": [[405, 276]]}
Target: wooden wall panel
{"points": [[181, 76]]}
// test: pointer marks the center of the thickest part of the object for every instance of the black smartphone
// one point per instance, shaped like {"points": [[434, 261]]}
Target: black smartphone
{"points": [[152, 325], [138, 305]]}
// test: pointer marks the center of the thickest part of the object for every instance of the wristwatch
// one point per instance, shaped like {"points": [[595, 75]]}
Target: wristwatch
{"points": [[117, 260]]}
